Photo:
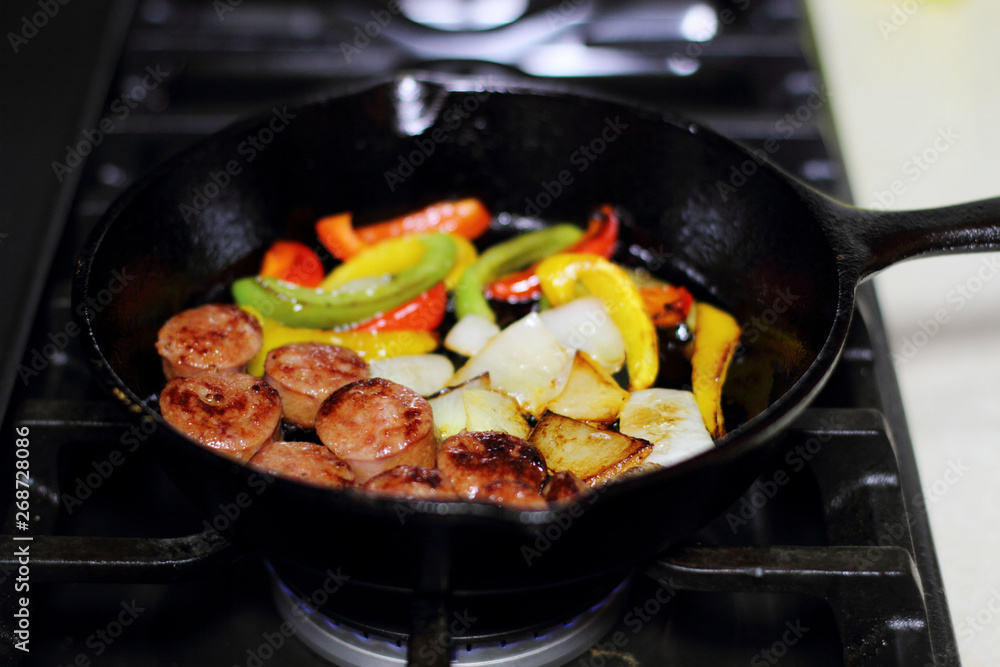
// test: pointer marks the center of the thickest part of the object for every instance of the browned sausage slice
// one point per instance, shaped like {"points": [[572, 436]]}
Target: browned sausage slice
{"points": [[511, 493], [563, 485], [233, 413], [215, 336], [473, 460], [305, 462], [306, 373], [412, 482], [376, 424]]}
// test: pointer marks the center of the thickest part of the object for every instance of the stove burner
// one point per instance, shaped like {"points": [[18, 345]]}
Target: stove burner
{"points": [[463, 15], [343, 644]]}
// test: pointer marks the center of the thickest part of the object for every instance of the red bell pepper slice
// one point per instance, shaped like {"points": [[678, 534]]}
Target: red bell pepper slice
{"points": [[422, 313], [466, 217], [599, 239], [666, 305], [293, 262]]}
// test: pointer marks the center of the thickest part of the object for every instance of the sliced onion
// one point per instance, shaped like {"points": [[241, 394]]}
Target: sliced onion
{"points": [[449, 414], [423, 373], [668, 418], [590, 394], [584, 324], [470, 409], [470, 335], [492, 411], [524, 361]]}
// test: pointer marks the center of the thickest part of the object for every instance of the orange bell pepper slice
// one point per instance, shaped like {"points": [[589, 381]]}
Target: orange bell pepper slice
{"points": [[336, 233], [667, 305], [465, 217], [293, 262]]}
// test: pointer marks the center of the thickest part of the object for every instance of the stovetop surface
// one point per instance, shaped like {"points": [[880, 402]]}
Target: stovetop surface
{"points": [[775, 577]]}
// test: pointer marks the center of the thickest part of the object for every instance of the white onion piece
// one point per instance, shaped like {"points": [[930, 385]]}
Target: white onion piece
{"points": [[524, 361], [423, 373], [478, 382], [584, 324], [471, 409], [449, 414], [492, 411], [470, 335], [668, 418], [590, 394]]}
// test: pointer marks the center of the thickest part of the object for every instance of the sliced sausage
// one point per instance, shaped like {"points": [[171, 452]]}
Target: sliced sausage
{"points": [[215, 336], [412, 482], [512, 493], [473, 460], [305, 462], [563, 485], [306, 373], [376, 424], [233, 413]]}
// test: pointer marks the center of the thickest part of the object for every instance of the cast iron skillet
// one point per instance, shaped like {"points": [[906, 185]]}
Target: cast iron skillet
{"points": [[782, 258]]}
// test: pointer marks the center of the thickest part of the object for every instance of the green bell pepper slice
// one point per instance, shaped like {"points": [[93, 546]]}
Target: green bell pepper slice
{"points": [[511, 255], [298, 306]]}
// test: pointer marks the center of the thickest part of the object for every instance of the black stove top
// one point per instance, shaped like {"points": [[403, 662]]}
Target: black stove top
{"points": [[826, 559]]}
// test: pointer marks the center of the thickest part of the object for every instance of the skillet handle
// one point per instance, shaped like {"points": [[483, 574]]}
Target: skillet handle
{"points": [[872, 240]]}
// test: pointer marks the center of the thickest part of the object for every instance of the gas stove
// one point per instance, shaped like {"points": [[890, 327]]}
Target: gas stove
{"points": [[826, 559]]}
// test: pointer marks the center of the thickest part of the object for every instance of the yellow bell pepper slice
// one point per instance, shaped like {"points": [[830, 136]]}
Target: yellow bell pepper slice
{"points": [[716, 335], [560, 276], [387, 257], [368, 344], [394, 255]]}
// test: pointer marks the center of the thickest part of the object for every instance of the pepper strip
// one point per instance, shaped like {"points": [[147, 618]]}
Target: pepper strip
{"points": [[505, 257], [716, 335], [599, 239], [395, 255], [385, 258], [465, 217], [667, 305], [423, 313], [292, 262], [560, 274], [316, 308], [368, 344], [336, 233]]}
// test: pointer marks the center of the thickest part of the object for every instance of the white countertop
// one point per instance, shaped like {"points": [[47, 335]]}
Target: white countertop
{"points": [[901, 74]]}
